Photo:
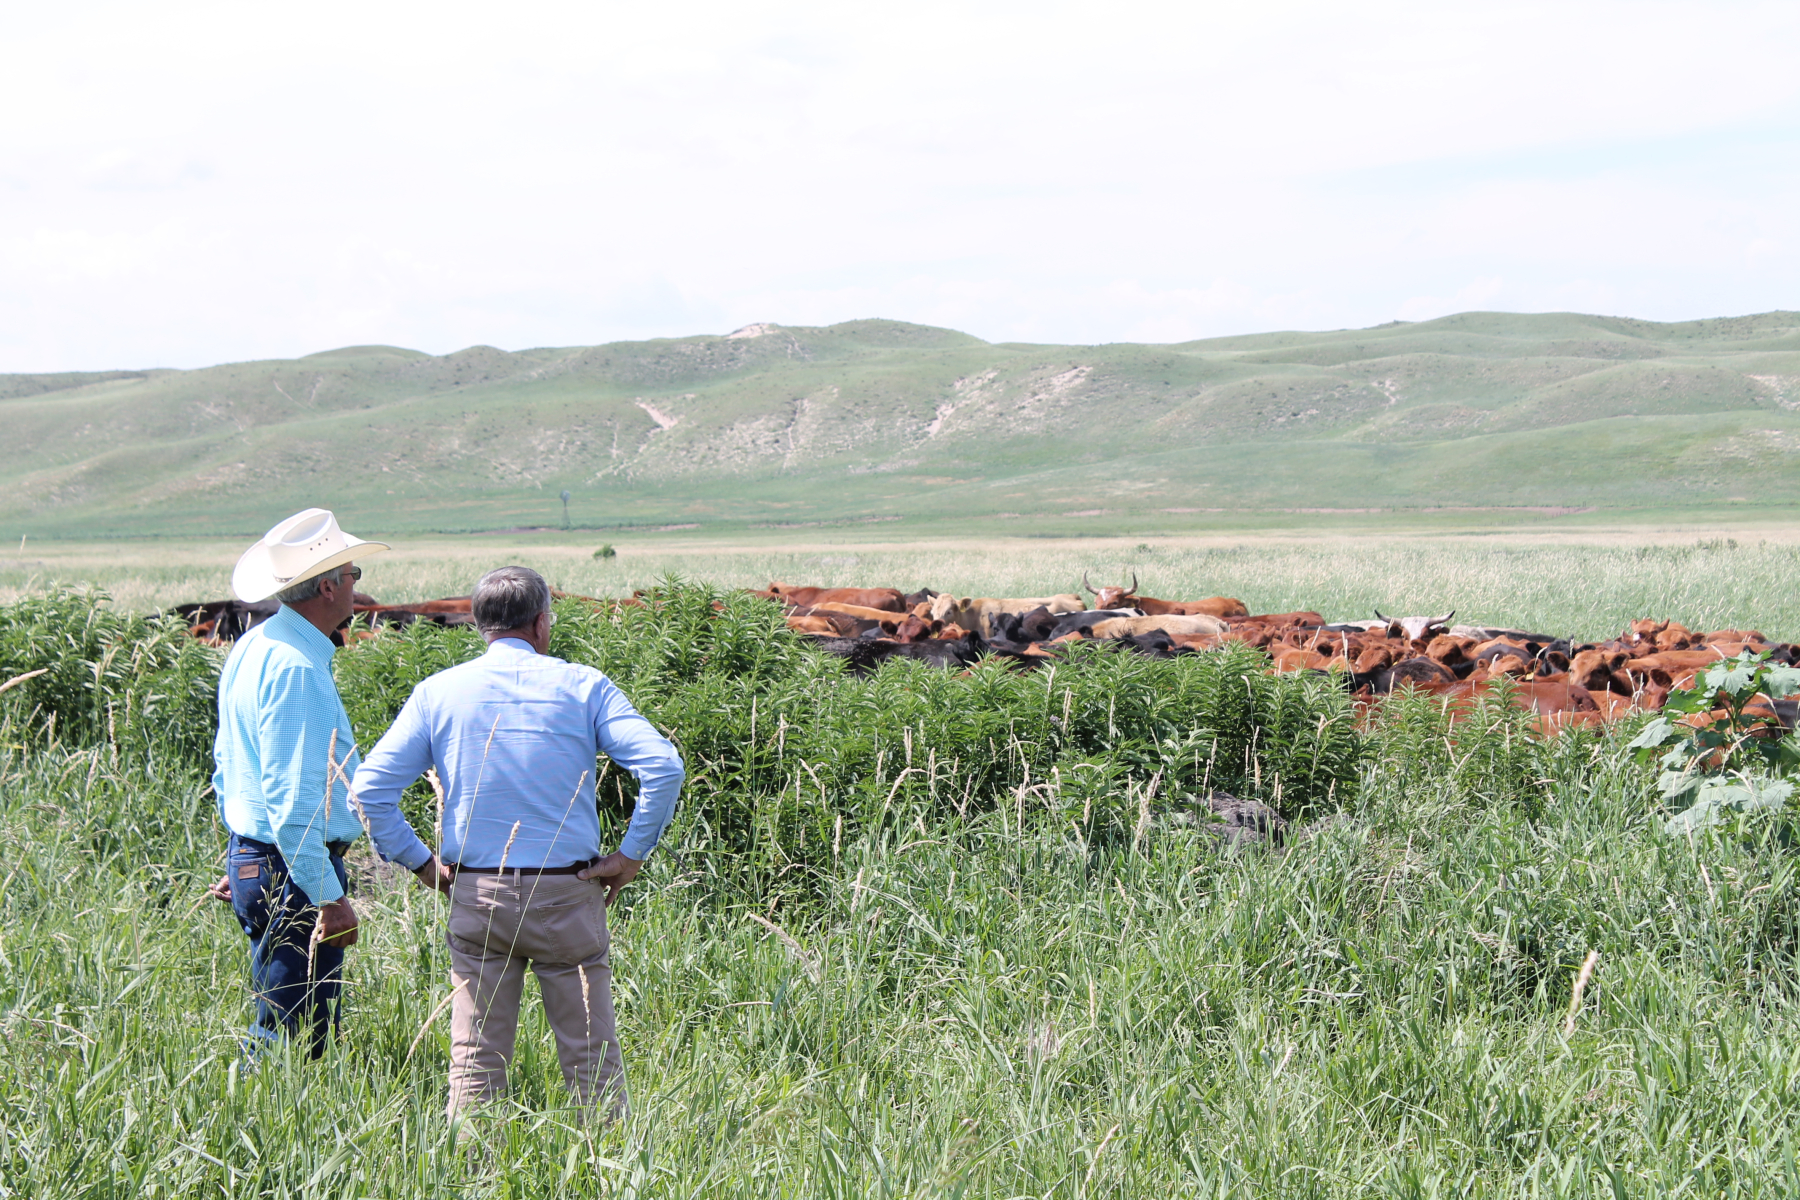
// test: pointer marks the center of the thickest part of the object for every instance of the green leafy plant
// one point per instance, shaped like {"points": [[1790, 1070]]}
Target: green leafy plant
{"points": [[1720, 745], [84, 672], [606, 551]]}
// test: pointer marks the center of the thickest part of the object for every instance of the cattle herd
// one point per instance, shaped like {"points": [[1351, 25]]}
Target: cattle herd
{"points": [[1563, 681]]}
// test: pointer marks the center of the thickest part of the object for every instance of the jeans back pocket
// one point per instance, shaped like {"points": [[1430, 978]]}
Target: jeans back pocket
{"points": [[252, 879]]}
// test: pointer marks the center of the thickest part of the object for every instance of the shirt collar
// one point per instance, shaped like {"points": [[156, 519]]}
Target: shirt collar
{"points": [[304, 632], [512, 646]]}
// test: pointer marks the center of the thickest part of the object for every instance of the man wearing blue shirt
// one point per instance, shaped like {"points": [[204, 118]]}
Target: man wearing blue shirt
{"points": [[515, 736], [280, 771]]}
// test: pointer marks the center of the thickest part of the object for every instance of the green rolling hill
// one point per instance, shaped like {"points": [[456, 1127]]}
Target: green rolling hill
{"points": [[877, 421]]}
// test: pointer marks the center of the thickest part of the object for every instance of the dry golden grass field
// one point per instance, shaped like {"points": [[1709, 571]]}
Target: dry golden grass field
{"points": [[1583, 581]]}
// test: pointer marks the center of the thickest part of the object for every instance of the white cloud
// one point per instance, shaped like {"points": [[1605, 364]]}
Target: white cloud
{"points": [[194, 182]]}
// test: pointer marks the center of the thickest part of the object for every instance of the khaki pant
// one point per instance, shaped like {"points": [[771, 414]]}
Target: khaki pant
{"points": [[557, 923]]}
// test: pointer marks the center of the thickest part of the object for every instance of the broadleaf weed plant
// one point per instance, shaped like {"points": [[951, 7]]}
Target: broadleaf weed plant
{"points": [[1720, 745]]}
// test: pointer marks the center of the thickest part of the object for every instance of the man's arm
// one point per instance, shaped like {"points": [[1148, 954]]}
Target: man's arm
{"points": [[634, 744], [220, 890], [399, 758], [295, 719]]}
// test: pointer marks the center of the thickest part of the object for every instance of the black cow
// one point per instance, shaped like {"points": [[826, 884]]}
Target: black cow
{"points": [[225, 620], [863, 655], [1042, 625]]}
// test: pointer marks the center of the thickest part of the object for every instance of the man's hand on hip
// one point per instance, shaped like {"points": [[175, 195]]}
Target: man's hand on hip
{"points": [[435, 875], [615, 871], [221, 890], [337, 924]]}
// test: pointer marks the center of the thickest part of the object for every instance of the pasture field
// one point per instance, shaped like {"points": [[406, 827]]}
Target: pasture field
{"points": [[926, 934]]}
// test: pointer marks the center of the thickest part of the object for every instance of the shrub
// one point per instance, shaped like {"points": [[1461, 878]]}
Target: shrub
{"points": [[788, 753], [136, 682]]}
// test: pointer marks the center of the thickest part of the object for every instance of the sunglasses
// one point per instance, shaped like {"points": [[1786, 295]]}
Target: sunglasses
{"points": [[353, 572]]}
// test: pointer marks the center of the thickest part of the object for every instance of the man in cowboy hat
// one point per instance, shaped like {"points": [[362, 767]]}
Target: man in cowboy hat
{"points": [[282, 762]]}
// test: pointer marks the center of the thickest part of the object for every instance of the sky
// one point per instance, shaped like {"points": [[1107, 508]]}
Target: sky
{"points": [[184, 184]]}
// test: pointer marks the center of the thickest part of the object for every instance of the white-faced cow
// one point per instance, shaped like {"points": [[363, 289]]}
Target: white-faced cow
{"points": [[977, 613], [1416, 629]]}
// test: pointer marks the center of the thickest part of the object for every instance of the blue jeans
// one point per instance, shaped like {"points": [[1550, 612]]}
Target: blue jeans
{"points": [[295, 982]]}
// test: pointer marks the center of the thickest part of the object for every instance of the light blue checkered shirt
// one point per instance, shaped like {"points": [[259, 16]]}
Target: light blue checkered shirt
{"points": [[278, 706], [515, 736]]}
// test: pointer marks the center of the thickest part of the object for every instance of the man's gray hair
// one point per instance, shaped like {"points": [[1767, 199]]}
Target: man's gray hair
{"points": [[306, 589], [509, 598]]}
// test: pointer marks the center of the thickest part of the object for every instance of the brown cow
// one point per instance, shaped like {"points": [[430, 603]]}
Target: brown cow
{"points": [[847, 623], [1197, 641], [917, 629], [1508, 664], [1449, 650], [1675, 662], [1722, 636], [1121, 597], [592, 601], [1660, 635], [1293, 658], [1595, 667], [1168, 623], [450, 604], [1309, 620], [860, 611], [1557, 704], [887, 599]]}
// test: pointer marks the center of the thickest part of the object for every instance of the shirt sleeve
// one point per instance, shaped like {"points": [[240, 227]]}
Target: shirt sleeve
{"points": [[296, 717], [633, 743], [400, 757], [222, 740], [218, 776]]}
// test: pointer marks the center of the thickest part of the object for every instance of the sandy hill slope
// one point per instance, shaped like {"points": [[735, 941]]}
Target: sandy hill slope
{"points": [[873, 420]]}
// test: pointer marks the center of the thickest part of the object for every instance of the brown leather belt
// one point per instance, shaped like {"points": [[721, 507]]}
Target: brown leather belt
{"points": [[576, 869]]}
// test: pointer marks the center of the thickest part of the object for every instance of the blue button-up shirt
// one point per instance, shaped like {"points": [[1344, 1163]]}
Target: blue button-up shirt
{"points": [[515, 736], [278, 706]]}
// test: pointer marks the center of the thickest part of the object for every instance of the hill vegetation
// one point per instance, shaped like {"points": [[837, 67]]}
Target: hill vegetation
{"points": [[873, 421]]}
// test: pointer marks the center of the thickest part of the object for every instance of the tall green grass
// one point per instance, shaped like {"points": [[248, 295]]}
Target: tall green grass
{"points": [[788, 754], [87, 673], [974, 991]]}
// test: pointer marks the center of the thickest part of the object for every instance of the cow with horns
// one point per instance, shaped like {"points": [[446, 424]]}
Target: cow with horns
{"points": [[1415, 629], [1121, 597]]}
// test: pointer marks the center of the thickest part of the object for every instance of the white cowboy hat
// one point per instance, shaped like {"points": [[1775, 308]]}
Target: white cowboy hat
{"points": [[306, 544]]}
